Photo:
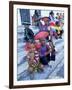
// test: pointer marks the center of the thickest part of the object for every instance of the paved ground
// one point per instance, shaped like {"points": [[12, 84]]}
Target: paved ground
{"points": [[57, 67]]}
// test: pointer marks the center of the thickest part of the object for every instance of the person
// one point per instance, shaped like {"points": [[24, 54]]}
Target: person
{"points": [[44, 52], [36, 17], [59, 30], [28, 33], [33, 60], [61, 16], [44, 23], [51, 16], [57, 16], [51, 45], [41, 25]]}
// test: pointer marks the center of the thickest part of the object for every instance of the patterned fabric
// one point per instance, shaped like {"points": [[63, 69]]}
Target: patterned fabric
{"points": [[29, 35], [33, 59]]}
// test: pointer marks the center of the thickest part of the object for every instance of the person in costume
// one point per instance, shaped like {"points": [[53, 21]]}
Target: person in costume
{"points": [[51, 16], [28, 33], [57, 16], [44, 52], [58, 29], [33, 60], [35, 18]]}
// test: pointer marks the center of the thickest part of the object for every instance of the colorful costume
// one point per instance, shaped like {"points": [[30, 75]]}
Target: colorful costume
{"points": [[34, 60], [28, 35], [58, 29]]}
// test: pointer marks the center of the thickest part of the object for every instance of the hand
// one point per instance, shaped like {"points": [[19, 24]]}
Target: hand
{"points": [[50, 50], [46, 53]]}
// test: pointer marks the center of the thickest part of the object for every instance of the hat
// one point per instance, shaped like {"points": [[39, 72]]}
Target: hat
{"points": [[42, 39], [26, 23], [51, 13], [57, 22]]}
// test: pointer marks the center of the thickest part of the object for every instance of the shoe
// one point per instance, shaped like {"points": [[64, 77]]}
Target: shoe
{"points": [[40, 70], [60, 37], [49, 66]]}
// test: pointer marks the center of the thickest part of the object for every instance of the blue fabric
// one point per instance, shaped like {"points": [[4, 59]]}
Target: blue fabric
{"points": [[43, 60]]}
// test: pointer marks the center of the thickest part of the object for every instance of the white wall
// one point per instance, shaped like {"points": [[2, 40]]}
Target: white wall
{"points": [[4, 44], [19, 18]]}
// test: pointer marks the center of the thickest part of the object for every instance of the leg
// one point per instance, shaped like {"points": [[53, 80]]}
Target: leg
{"points": [[61, 32], [53, 55], [40, 67], [48, 58], [31, 73], [43, 60]]}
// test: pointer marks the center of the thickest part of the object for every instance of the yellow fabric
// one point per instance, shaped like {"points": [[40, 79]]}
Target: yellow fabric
{"points": [[58, 28]]}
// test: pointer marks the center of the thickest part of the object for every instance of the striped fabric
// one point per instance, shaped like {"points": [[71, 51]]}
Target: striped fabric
{"points": [[36, 56]]}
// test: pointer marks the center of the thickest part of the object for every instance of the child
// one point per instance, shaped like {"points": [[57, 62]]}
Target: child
{"points": [[44, 52], [33, 60]]}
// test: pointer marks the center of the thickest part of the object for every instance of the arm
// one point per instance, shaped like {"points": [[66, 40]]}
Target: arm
{"points": [[48, 51], [30, 32]]}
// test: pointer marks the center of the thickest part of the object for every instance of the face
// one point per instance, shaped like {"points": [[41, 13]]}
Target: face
{"points": [[32, 48], [43, 42], [26, 26], [58, 14], [58, 23], [61, 24], [52, 14]]}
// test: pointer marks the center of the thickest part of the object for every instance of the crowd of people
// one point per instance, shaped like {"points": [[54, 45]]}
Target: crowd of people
{"points": [[42, 51]]}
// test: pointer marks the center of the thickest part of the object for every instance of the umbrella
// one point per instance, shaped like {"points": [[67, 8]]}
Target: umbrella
{"points": [[41, 34]]}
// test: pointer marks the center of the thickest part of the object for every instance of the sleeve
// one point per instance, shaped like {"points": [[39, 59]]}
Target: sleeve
{"points": [[48, 47], [31, 32]]}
